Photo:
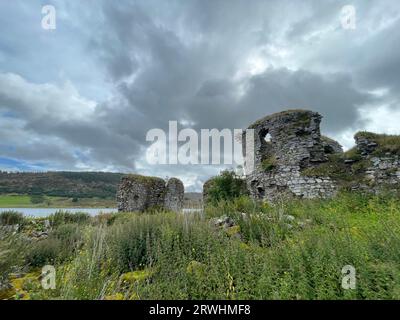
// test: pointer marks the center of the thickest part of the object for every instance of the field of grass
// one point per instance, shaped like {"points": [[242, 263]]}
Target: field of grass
{"points": [[25, 201], [293, 250], [15, 201]]}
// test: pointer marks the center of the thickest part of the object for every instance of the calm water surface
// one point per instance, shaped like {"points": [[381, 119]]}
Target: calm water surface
{"points": [[44, 212]]}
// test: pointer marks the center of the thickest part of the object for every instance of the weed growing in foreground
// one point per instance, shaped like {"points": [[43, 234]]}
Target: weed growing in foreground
{"points": [[293, 250], [8, 218]]}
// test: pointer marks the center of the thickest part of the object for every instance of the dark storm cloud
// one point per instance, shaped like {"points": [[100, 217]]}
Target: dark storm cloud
{"points": [[382, 68], [180, 81], [333, 95], [213, 64]]}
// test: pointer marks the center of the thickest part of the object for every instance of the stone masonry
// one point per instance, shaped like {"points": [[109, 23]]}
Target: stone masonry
{"points": [[382, 167], [289, 144], [141, 193], [174, 194]]}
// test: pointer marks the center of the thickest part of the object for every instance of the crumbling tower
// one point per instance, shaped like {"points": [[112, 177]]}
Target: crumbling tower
{"points": [[284, 144]]}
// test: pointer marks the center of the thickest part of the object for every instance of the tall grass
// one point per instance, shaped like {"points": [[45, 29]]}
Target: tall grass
{"points": [[293, 250], [11, 218], [62, 243], [11, 253], [62, 217]]}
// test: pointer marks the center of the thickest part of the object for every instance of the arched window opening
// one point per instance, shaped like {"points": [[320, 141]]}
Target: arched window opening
{"points": [[265, 136], [261, 191]]}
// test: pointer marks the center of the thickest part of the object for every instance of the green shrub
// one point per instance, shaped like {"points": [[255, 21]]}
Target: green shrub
{"points": [[12, 248], [37, 198], [90, 275], [61, 244], [104, 218], [226, 186], [11, 218], [139, 240], [131, 242], [259, 223], [44, 252], [69, 234]]}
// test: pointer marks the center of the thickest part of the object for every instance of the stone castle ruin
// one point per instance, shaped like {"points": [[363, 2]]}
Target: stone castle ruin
{"points": [[141, 193], [293, 159]]}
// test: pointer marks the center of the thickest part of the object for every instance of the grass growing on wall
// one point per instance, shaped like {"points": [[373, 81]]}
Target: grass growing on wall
{"points": [[293, 250], [269, 164], [385, 143]]}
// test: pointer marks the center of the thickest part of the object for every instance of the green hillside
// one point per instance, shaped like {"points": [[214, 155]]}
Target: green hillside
{"points": [[61, 184]]}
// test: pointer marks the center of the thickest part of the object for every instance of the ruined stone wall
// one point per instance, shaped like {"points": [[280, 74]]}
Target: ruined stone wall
{"points": [[293, 159], [174, 195], [285, 143], [384, 171], [140, 193], [289, 181], [206, 190], [331, 146], [292, 138], [380, 155]]}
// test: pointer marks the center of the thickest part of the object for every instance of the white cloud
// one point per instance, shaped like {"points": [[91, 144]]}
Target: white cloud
{"points": [[28, 99], [383, 119]]}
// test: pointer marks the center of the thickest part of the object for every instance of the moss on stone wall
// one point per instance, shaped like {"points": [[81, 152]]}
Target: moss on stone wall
{"points": [[148, 181], [140, 193], [352, 154], [345, 174], [303, 119], [312, 165], [335, 168], [385, 143], [304, 115], [269, 164]]}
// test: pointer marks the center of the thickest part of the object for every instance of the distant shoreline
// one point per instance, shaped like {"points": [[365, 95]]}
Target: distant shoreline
{"points": [[192, 200]]}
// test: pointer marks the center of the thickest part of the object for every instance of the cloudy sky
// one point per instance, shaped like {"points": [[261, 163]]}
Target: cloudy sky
{"points": [[83, 96]]}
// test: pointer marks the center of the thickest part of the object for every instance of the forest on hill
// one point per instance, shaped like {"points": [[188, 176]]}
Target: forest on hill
{"points": [[61, 184]]}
